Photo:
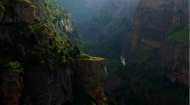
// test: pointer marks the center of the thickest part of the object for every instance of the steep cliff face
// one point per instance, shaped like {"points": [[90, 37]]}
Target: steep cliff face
{"points": [[114, 19], [153, 25], [91, 75], [11, 87], [24, 11], [154, 19], [173, 58], [43, 87]]}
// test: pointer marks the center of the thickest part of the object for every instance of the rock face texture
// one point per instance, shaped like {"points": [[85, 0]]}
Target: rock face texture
{"points": [[111, 20], [11, 87], [90, 75], [47, 87], [152, 23], [34, 85], [25, 12], [173, 58], [154, 19], [44, 87]]}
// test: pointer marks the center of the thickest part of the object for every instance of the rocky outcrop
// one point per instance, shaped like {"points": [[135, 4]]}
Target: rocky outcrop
{"points": [[11, 87], [154, 19], [152, 23], [46, 87], [43, 87], [113, 20], [173, 58], [24, 12], [90, 75]]}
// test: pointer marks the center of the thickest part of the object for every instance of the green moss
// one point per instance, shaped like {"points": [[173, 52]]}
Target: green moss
{"points": [[84, 56], [180, 34]]}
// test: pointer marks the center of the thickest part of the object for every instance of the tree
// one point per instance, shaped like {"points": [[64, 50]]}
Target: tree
{"points": [[77, 51]]}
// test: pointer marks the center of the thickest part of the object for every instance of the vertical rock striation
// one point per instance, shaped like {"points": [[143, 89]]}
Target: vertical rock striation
{"points": [[154, 19], [153, 22], [47, 87], [10, 87], [90, 75]]}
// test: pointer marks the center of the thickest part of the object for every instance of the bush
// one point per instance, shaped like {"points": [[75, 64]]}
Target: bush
{"points": [[14, 65]]}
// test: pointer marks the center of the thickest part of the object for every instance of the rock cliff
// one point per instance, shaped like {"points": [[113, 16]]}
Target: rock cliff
{"points": [[91, 75], [173, 58], [153, 23], [43, 87], [33, 69], [154, 19], [24, 12], [11, 87], [113, 20]]}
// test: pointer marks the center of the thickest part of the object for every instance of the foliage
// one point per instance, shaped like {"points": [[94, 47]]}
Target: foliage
{"points": [[146, 57], [40, 48], [146, 80], [180, 33], [14, 66], [84, 56]]}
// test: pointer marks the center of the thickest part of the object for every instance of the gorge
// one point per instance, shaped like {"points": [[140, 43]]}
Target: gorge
{"points": [[48, 52]]}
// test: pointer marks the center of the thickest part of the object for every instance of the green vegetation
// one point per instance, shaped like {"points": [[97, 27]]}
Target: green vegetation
{"points": [[148, 82], [146, 57], [14, 66], [180, 33], [84, 56], [35, 45]]}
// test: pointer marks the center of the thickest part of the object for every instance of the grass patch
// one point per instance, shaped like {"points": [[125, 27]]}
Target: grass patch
{"points": [[146, 57], [84, 56], [180, 34]]}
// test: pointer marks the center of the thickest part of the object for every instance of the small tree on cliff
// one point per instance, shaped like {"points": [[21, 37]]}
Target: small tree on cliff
{"points": [[77, 51]]}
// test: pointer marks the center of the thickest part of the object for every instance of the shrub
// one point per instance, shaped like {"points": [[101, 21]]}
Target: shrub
{"points": [[14, 65]]}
